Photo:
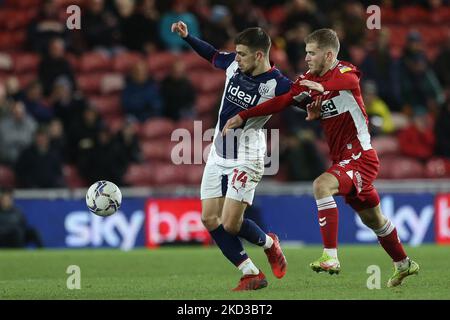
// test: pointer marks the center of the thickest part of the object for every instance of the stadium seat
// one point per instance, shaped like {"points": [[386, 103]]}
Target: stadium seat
{"points": [[276, 15], [123, 61], [156, 128], [157, 150], [89, 83], [114, 122], [72, 178], [437, 168], [207, 81], [15, 19], [139, 175], [25, 4], [413, 14], [25, 62], [392, 167], [193, 61], [160, 62], [194, 174], [94, 61], [169, 174], [26, 78], [7, 177], [440, 16], [187, 124], [385, 145], [107, 104], [207, 103]]}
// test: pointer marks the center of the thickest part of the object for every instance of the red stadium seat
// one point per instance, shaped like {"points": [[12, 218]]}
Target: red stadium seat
{"points": [[94, 61], [392, 167], [7, 177], [89, 83], [25, 62], [15, 19], [194, 174], [413, 14], [26, 78], [193, 61], [140, 175], [385, 145], [24, 4], [207, 81], [107, 105], [207, 103], [124, 61], [157, 128], [114, 122], [157, 150], [160, 61], [437, 168], [72, 178], [169, 174]]}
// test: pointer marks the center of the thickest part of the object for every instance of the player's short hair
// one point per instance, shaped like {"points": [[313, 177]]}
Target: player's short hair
{"points": [[254, 38], [325, 38]]}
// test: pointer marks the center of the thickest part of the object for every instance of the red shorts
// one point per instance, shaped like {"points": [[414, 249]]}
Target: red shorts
{"points": [[356, 176]]}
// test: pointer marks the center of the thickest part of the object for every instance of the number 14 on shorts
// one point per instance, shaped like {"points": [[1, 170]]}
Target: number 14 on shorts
{"points": [[239, 177]]}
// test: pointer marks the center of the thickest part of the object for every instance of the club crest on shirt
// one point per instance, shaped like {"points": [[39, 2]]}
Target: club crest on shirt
{"points": [[263, 89]]}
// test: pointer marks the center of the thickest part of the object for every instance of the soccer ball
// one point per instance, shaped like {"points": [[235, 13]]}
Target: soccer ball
{"points": [[103, 198]]}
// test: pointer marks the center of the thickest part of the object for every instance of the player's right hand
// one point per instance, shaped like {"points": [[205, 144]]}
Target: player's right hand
{"points": [[181, 28], [313, 109], [232, 123]]}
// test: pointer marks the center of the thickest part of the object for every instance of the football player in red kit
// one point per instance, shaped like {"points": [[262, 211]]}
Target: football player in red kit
{"points": [[332, 90]]}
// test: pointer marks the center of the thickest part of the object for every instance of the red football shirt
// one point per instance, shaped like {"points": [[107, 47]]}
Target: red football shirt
{"points": [[342, 115]]}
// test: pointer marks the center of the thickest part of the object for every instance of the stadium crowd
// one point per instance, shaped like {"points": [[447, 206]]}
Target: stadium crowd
{"points": [[101, 102]]}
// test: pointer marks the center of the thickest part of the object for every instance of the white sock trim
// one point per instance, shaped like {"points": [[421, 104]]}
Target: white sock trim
{"points": [[247, 267], [386, 229], [331, 252], [269, 242], [326, 203]]}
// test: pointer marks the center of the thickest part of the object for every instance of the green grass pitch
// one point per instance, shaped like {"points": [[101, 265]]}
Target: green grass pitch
{"points": [[187, 273]]}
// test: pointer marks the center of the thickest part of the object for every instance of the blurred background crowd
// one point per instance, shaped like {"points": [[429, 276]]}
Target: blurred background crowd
{"points": [[101, 102]]}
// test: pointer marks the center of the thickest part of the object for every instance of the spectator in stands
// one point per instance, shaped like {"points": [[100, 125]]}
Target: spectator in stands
{"points": [[14, 231], [442, 65], [246, 15], [33, 100], [219, 29], [421, 91], [82, 135], [178, 13], [140, 30], [141, 97], [128, 142], [40, 165], [107, 160], [379, 66], [418, 140], [295, 46], [300, 156], [16, 133], [66, 103], [377, 110], [442, 131], [54, 65], [45, 27], [303, 11], [99, 27], [178, 93], [4, 103]]}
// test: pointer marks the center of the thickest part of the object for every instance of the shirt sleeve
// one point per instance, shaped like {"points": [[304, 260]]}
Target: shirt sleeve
{"points": [[220, 60], [294, 96], [349, 80]]}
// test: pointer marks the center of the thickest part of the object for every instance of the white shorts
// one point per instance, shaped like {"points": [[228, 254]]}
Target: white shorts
{"points": [[236, 181]]}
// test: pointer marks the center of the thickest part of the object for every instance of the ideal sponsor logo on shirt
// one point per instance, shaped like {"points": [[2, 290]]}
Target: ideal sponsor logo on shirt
{"points": [[239, 97]]}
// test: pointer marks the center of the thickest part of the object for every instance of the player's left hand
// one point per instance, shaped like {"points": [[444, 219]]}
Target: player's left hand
{"points": [[232, 123], [312, 85]]}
